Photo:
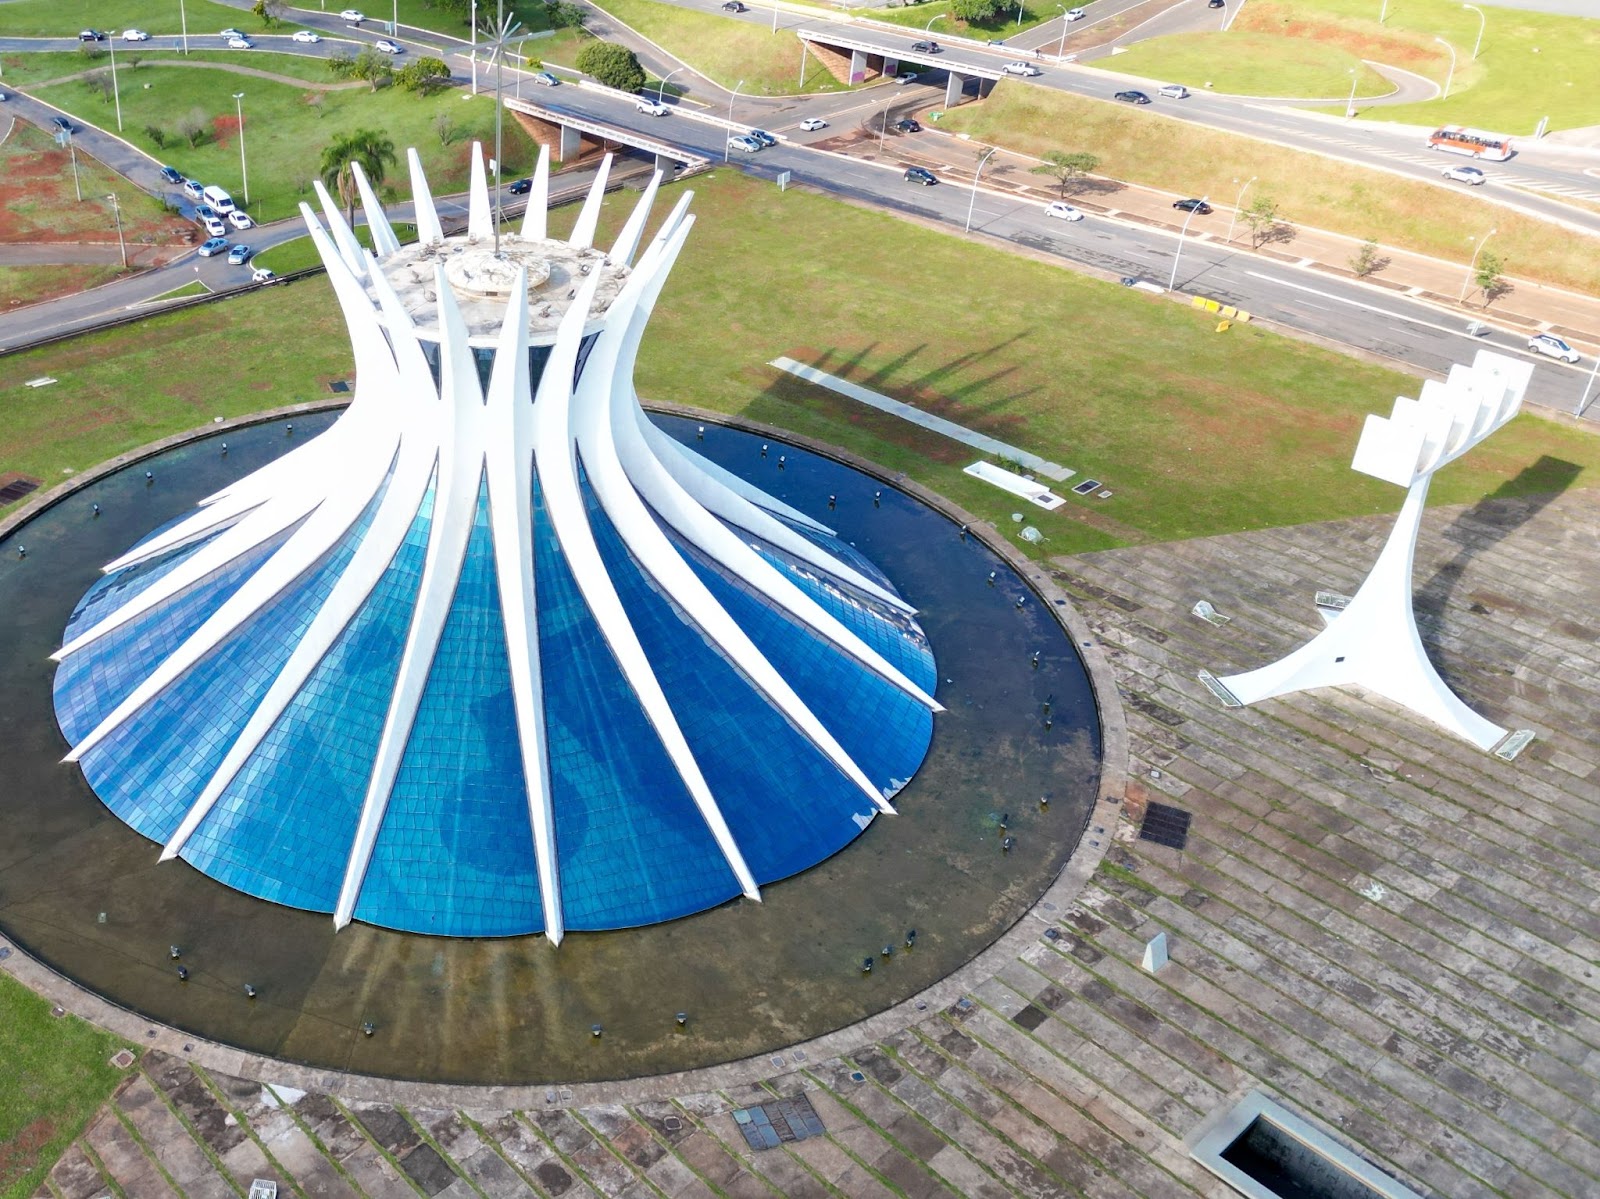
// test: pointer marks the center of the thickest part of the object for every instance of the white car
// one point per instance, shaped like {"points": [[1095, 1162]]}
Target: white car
{"points": [[1469, 175], [1549, 343], [353, 14], [240, 219], [650, 107], [907, 77], [230, 32], [305, 35], [387, 47], [240, 43], [1063, 211], [1076, 14], [262, 274], [811, 124], [214, 226], [1173, 91], [135, 35], [1020, 68], [747, 144]]}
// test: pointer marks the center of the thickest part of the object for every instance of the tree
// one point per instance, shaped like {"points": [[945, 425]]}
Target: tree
{"points": [[1262, 217], [341, 64], [99, 82], [562, 14], [377, 69], [270, 11], [370, 148], [613, 65], [423, 75], [192, 126], [1366, 261], [315, 101], [1066, 169], [974, 12], [157, 136], [1487, 275], [444, 127]]}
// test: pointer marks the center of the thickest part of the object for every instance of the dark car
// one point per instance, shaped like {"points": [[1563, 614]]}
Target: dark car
{"points": [[522, 187], [926, 48], [91, 35], [62, 124], [172, 175], [761, 135], [1199, 206], [1216, 3], [907, 126], [735, 6], [921, 175], [1132, 97]]}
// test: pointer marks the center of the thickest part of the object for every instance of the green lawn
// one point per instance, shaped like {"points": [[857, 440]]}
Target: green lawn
{"points": [[55, 1075], [284, 134], [1003, 26], [1216, 433], [30, 69], [63, 18], [1530, 65], [1252, 64]]}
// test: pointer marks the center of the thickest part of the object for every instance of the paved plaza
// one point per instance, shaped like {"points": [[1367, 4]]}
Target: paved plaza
{"points": [[1393, 934]]}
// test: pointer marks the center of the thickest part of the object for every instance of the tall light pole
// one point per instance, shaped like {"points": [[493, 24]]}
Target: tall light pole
{"points": [[1452, 73], [1350, 104], [663, 86], [931, 20], [1062, 44], [728, 149], [1173, 282], [65, 138], [1019, 14], [183, 16], [774, 18], [1481, 23], [1238, 201], [122, 245], [238, 104], [474, 21], [1583, 400], [111, 40], [971, 204], [1383, 12], [394, 21], [883, 126], [1472, 266]]}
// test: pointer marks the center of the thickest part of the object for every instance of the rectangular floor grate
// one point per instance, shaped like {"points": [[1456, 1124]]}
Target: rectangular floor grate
{"points": [[769, 1125], [16, 488], [1165, 825]]}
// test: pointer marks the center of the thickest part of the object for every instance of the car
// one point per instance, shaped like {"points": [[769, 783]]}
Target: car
{"points": [[230, 32], [91, 35], [306, 35], [1063, 211], [1076, 14], [63, 124], [262, 274], [240, 43], [172, 175], [239, 255], [215, 246], [1173, 91], [812, 124], [135, 35], [215, 226], [546, 79], [4, 97], [204, 212], [1131, 97], [649, 107], [193, 188], [995, 41], [1197, 206], [740, 142], [908, 125], [735, 6], [353, 15], [1216, 3], [761, 135], [1468, 175], [907, 77], [1020, 68], [921, 175], [520, 187], [926, 48], [385, 46], [1549, 343], [240, 219]]}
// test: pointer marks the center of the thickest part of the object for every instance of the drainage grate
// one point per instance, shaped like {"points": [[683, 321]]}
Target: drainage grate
{"points": [[339, 387], [769, 1125], [18, 487], [1086, 487], [1165, 825], [122, 1059], [1513, 745]]}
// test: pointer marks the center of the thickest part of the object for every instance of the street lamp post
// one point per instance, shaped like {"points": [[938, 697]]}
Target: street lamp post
{"points": [[1383, 12], [1452, 73], [1481, 23], [1350, 104], [971, 204], [111, 41], [663, 86], [1473, 265], [728, 149], [183, 17], [72, 148], [1238, 201], [931, 20], [474, 22], [238, 104], [1173, 282], [1062, 44], [394, 21], [1019, 14], [116, 211], [1583, 400]]}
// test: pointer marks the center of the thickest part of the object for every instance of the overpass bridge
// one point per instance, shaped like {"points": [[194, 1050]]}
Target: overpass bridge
{"points": [[565, 132], [856, 59]]}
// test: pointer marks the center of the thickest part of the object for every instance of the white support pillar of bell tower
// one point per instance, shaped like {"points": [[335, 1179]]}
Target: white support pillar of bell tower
{"points": [[1373, 641]]}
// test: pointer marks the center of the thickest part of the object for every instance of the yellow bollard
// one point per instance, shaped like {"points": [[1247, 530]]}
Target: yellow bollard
{"points": [[1224, 326], [1197, 302], [1213, 306], [1243, 316], [1229, 311]]}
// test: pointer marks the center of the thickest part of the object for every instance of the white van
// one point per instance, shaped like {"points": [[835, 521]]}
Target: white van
{"points": [[218, 199]]}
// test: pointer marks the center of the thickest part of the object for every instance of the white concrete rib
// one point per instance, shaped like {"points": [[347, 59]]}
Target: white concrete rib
{"points": [[480, 217], [423, 212], [384, 242], [534, 216], [589, 215], [627, 243], [343, 236]]}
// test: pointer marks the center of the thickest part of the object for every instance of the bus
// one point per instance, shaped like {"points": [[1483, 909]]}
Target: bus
{"points": [[1496, 147]]}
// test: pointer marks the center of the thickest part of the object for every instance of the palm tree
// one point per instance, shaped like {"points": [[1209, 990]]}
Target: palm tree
{"points": [[371, 149]]}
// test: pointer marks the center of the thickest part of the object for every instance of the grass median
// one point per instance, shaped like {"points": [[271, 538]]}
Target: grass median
{"points": [[1194, 431], [1253, 64]]}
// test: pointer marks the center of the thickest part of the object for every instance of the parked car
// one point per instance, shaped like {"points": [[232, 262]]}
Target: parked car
{"points": [[262, 274], [649, 107], [908, 125], [353, 15], [926, 48], [761, 135], [193, 188], [4, 96], [63, 124], [135, 35], [240, 43], [91, 35], [739, 141], [172, 175], [811, 124], [735, 6], [230, 32], [385, 46], [1195, 206], [1173, 91], [240, 219], [204, 213], [239, 255], [546, 79], [1063, 211], [1132, 97], [521, 187], [1549, 343], [214, 226], [306, 35], [921, 175], [215, 246], [1468, 175], [1020, 68], [1216, 3], [1076, 14]]}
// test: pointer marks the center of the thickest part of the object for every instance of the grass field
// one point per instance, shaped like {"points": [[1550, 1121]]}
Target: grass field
{"points": [[1253, 64], [1004, 25], [63, 18], [1215, 434], [55, 1075], [284, 134], [39, 201], [1142, 147], [26, 69], [21, 285]]}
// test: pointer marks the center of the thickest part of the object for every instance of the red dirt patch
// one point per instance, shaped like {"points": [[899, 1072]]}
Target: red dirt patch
{"points": [[20, 1154]]}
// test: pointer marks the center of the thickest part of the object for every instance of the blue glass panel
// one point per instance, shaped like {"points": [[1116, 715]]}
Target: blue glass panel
{"points": [[282, 829], [455, 854], [787, 805], [113, 590], [633, 847]]}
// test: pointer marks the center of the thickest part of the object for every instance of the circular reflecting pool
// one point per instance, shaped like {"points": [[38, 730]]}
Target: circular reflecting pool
{"points": [[85, 893]]}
